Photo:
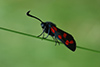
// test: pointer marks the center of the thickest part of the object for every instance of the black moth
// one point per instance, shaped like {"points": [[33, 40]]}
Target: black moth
{"points": [[56, 33]]}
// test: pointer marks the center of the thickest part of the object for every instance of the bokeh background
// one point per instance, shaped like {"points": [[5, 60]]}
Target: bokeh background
{"points": [[81, 18]]}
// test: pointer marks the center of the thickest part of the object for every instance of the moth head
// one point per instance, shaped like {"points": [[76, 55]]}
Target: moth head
{"points": [[43, 25]]}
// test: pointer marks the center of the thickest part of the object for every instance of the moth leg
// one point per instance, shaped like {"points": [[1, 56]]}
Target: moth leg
{"points": [[42, 32], [56, 41], [43, 36]]}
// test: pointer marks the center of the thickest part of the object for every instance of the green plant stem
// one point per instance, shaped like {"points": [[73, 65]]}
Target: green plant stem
{"points": [[44, 39]]}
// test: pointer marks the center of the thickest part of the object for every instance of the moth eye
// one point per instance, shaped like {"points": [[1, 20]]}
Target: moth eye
{"points": [[42, 25]]}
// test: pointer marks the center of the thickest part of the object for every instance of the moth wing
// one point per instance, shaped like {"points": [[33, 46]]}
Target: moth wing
{"points": [[65, 38]]}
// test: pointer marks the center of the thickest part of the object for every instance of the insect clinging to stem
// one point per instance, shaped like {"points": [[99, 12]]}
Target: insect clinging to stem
{"points": [[51, 29]]}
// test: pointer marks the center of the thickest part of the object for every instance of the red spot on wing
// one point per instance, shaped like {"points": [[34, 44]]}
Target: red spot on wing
{"points": [[64, 35], [52, 30], [67, 42], [59, 36], [71, 42]]}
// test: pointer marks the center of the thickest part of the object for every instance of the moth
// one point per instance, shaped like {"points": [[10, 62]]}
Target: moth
{"points": [[56, 33]]}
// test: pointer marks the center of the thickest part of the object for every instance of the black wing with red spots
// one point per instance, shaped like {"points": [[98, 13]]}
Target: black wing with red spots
{"points": [[64, 37]]}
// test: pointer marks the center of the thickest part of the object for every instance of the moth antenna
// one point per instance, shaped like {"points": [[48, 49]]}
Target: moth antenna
{"points": [[33, 16]]}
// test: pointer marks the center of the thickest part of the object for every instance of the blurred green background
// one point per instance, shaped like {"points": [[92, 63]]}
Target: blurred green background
{"points": [[81, 18]]}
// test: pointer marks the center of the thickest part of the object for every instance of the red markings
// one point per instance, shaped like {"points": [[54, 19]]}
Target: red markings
{"points": [[64, 35], [52, 30], [71, 42], [67, 42], [59, 36]]}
